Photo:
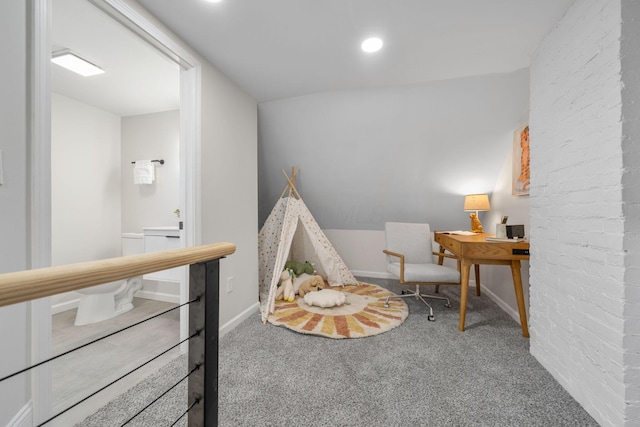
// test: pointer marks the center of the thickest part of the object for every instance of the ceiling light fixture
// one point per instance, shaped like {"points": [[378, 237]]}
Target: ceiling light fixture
{"points": [[213, 1], [73, 62], [372, 44]]}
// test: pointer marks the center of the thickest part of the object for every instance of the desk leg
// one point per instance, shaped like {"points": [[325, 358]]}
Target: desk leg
{"points": [[517, 285], [464, 291], [440, 261], [477, 271]]}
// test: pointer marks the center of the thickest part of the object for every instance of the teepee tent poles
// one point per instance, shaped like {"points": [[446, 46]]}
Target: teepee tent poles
{"points": [[291, 183]]}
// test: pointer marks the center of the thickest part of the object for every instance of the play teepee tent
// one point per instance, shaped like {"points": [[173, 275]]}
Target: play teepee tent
{"points": [[290, 232]]}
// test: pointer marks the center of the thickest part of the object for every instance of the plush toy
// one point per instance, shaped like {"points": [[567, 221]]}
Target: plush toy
{"points": [[299, 267], [325, 298], [297, 281], [286, 287], [312, 284]]}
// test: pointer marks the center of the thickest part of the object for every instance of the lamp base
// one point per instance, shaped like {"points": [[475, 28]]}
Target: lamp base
{"points": [[476, 225]]}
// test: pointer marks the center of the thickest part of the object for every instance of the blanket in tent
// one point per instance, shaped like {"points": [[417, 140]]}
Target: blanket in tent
{"points": [[291, 232]]}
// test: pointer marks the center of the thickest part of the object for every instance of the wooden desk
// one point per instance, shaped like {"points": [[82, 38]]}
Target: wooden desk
{"points": [[475, 250]]}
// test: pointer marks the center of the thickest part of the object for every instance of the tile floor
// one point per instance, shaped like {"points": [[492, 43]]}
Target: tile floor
{"points": [[76, 375]]}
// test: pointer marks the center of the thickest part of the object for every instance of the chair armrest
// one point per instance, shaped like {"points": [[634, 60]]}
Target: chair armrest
{"points": [[401, 256], [396, 254]]}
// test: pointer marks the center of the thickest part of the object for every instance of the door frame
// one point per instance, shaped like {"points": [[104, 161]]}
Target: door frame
{"points": [[40, 165]]}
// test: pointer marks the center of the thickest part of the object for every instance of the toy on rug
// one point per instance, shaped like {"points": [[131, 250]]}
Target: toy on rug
{"points": [[285, 291], [297, 281], [325, 298], [299, 267], [312, 284]]}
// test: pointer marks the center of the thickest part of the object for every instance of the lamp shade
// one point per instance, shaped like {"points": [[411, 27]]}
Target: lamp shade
{"points": [[476, 202]]}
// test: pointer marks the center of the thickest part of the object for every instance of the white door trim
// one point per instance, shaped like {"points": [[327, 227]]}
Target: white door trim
{"points": [[40, 199], [40, 165]]}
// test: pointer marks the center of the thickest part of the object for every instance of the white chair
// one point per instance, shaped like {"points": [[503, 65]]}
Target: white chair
{"points": [[409, 250]]}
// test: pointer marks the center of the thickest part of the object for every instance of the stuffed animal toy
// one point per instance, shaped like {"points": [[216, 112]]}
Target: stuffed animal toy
{"points": [[286, 287], [297, 281], [300, 267], [325, 298], [312, 284]]}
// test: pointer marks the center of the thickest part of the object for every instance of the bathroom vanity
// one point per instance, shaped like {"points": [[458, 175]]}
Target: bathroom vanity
{"points": [[158, 239]]}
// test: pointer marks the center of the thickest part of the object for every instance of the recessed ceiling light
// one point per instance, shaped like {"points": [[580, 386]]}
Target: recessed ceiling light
{"points": [[73, 62], [372, 44], [213, 1]]}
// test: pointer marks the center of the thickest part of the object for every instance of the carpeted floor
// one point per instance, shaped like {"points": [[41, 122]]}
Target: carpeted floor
{"points": [[419, 374]]}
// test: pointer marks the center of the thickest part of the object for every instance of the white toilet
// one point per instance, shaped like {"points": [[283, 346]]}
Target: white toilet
{"points": [[108, 300]]}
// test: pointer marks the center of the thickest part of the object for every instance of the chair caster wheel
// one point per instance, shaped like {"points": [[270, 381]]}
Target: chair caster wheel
{"points": [[404, 293], [431, 318], [386, 305], [447, 305]]}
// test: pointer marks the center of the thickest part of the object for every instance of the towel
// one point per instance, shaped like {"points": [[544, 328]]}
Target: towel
{"points": [[143, 172]]}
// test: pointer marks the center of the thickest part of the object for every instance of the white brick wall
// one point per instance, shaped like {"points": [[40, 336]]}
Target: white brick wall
{"points": [[579, 274], [630, 58]]}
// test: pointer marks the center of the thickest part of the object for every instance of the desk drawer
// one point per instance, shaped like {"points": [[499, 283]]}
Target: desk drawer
{"points": [[496, 250], [449, 244]]}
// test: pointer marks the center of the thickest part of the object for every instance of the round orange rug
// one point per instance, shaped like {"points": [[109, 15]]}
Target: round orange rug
{"points": [[363, 314]]}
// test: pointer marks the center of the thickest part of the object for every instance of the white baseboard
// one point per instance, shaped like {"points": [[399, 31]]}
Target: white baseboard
{"points": [[64, 306], [374, 274], [228, 327], [158, 296], [485, 290], [24, 417], [500, 303]]}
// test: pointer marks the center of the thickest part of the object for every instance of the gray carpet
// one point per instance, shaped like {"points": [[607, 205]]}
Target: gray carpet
{"points": [[419, 374]]}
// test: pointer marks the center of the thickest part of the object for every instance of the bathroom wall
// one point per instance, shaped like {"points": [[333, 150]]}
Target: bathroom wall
{"points": [[94, 198], [147, 137], [85, 184]]}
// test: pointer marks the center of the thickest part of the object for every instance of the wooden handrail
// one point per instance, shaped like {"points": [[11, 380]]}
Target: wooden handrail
{"points": [[28, 285]]}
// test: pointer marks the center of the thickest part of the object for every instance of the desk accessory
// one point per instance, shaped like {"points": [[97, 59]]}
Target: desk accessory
{"points": [[514, 231], [505, 239]]}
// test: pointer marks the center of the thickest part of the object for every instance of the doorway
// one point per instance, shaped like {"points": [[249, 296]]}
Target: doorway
{"points": [[48, 213]]}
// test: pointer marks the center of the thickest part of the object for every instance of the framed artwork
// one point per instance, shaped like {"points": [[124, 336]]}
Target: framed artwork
{"points": [[521, 175]]}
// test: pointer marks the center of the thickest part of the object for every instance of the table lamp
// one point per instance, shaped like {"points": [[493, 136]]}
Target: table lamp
{"points": [[475, 203]]}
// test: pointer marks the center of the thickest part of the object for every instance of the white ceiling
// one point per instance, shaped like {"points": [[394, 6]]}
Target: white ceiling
{"points": [[283, 48], [138, 79]]}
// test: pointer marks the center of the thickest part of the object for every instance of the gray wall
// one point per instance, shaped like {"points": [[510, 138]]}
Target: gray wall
{"points": [[151, 136], [14, 320], [230, 189], [85, 182], [405, 153]]}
